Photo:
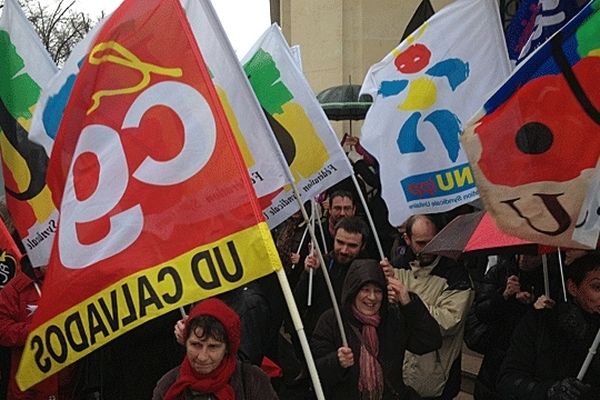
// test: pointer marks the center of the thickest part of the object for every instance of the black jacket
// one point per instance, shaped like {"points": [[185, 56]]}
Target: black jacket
{"points": [[547, 346], [321, 299], [402, 327], [503, 316]]}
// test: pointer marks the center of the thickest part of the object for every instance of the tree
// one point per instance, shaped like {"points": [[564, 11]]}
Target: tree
{"points": [[60, 27]]}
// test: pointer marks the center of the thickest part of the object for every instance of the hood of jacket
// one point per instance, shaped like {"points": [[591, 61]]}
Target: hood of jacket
{"points": [[359, 274]]}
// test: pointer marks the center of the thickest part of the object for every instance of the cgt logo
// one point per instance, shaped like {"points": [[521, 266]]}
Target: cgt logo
{"points": [[438, 183], [8, 268], [104, 146]]}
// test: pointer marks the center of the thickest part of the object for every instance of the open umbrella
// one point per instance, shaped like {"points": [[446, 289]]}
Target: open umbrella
{"points": [[343, 102], [476, 233]]}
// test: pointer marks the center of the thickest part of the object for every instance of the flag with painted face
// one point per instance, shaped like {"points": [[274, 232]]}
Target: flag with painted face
{"points": [[424, 91], [252, 131], [156, 206], [25, 68], [534, 22], [309, 144], [534, 145]]}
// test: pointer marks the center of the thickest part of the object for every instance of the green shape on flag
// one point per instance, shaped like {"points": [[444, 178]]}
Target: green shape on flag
{"points": [[18, 91], [588, 34], [266, 82]]}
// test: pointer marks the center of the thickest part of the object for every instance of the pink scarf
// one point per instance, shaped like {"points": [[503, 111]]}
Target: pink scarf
{"points": [[370, 381]]}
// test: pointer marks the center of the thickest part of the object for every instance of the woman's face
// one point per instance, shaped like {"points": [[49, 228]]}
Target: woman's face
{"points": [[205, 353], [368, 300], [587, 294]]}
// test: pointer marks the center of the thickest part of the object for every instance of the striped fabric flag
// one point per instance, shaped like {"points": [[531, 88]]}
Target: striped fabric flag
{"points": [[424, 90], [157, 209], [534, 22], [534, 145], [25, 68], [309, 144]]}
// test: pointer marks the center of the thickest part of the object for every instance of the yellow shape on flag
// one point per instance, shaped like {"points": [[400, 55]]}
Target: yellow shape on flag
{"points": [[129, 60], [41, 205], [200, 273], [311, 153], [422, 94], [235, 127]]}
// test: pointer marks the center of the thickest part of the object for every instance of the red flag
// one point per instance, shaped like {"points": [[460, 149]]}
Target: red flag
{"points": [[157, 209]]}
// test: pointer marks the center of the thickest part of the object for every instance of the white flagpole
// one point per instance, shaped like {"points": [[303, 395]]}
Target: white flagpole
{"points": [[546, 279], [562, 274], [589, 357], [301, 244], [311, 274], [283, 281], [369, 217]]}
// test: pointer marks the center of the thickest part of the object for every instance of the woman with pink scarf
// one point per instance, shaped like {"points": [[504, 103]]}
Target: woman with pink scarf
{"points": [[381, 320]]}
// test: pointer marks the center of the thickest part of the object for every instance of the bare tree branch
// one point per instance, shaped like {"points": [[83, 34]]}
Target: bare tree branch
{"points": [[60, 27]]}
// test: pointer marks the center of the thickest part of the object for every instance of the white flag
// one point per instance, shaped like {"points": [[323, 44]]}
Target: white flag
{"points": [[26, 68], [301, 128], [248, 122], [424, 91]]}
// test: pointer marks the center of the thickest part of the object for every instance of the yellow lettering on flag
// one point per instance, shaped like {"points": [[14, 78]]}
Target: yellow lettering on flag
{"points": [[209, 270]]}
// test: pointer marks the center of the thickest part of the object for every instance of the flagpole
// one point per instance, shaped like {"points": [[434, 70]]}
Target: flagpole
{"points": [[285, 286], [546, 278], [311, 273], [562, 274], [301, 243], [369, 217], [313, 238], [297, 321], [589, 357]]}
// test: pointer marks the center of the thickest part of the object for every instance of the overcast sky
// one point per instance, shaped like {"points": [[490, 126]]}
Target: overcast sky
{"points": [[243, 20]]}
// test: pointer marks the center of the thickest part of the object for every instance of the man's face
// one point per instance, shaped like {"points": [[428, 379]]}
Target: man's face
{"points": [[529, 262], [423, 231], [341, 207], [587, 294], [346, 246]]}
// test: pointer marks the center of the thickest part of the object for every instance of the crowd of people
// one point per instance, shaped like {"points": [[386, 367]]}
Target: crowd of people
{"points": [[404, 320]]}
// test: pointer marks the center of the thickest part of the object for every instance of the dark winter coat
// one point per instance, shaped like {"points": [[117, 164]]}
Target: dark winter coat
{"points": [[321, 299], [402, 327], [503, 316], [547, 346]]}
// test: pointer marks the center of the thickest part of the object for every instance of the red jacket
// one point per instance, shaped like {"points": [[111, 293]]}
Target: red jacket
{"points": [[18, 301]]}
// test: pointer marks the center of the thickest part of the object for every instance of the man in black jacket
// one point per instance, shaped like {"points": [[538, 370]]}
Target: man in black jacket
{"points": [[549, 347]]}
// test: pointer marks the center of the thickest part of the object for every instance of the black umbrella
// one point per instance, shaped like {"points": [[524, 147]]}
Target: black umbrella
{"points": [[344, 103]]}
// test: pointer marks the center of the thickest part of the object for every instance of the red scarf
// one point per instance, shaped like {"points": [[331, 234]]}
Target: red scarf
{"points": [[217, 381], [370, 381]]}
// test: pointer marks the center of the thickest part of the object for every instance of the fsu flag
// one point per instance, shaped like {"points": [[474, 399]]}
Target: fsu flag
{"points": [[309, 144], [25, 68], [157, 209], [534, 146], [424, 91]]}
